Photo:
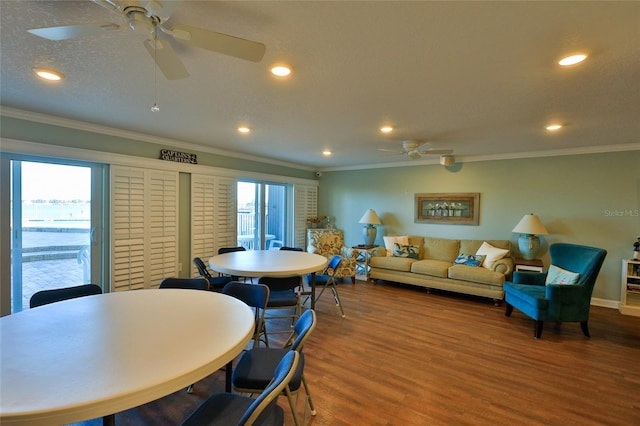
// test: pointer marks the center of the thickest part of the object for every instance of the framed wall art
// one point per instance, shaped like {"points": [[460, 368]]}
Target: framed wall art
{"points": [[457, 208]]}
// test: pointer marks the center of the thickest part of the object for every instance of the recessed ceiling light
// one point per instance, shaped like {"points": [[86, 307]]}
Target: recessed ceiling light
{"points": [[572, 59], [281, 70], [553, 127], [48, 75], [326, 153], [244, 129], [386, 129]]}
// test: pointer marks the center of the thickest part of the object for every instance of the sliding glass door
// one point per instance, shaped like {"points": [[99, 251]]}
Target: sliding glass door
{"points": [[262, 215], [54, 227]]}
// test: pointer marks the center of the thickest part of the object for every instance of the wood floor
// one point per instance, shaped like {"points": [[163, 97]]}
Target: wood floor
{"points": [[405, 357]]}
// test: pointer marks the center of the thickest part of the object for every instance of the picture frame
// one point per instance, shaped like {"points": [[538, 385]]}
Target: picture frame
{"points": [[457, 208]]}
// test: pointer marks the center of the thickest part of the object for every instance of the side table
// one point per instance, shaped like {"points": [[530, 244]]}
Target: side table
{"points": [[362, 261], [533, 265]]}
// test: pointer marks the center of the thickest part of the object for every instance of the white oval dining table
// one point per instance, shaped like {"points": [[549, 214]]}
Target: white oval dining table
{"points": [[94, 356], [270, 263]]}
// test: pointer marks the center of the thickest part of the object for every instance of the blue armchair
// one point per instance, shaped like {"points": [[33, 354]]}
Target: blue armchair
{"points": [[557, 302]]}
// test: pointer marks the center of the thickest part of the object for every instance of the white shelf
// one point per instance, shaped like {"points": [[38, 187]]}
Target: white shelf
{"points": [[630, 299]]}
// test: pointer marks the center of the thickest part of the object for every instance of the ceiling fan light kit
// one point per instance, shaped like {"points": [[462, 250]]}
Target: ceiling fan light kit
{"points": [[447, 160]]}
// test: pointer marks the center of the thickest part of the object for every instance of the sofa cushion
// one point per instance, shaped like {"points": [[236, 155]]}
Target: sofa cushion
{"points": [[435, 268], [402, 250], [394, 263], [442, 249], [469, 260], [492, 254], [389, 241], [475, 274]]}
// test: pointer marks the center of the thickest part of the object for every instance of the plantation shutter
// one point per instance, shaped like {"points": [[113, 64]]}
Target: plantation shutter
{"points": [[305, 199], [213, 215], [144, 227]]}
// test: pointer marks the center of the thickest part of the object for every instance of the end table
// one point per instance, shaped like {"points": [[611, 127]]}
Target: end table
{"points": [[362, 261], [533, 265]]}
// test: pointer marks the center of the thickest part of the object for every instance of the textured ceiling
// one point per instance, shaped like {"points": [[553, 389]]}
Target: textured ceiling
{"points": [[476, 77]]}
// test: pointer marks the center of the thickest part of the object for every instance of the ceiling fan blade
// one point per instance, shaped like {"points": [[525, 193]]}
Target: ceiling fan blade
{"points": [[437, 151], [162, 9], [106, 4], [218, 42], [66, 32], [166, 59]]}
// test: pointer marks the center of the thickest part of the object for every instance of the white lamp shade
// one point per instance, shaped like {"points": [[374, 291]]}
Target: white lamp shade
{"points": [[530, 224], [370, 218]]}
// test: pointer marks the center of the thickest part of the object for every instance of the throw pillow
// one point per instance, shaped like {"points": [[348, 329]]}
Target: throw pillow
{"points": [[469, 259], [557, 275], [492, 254], [402, 250], [388, 242]]}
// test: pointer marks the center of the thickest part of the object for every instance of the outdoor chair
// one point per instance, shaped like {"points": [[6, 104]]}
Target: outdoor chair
{"points": [[225, 409], [215, 283], [563, 293], [44, 297], [255, 367]]}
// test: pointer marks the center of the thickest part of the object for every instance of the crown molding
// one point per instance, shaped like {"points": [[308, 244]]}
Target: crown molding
{"points": [[509, 156], [111, 131]]}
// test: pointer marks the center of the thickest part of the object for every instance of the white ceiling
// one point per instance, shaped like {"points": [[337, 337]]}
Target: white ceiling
{"points": [[476, 77]]}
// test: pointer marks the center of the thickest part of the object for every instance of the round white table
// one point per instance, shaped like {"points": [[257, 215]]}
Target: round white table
{"points": [[270, 263], [94, 356]]}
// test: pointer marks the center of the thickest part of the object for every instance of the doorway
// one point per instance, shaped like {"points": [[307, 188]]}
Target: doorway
{"points": [[262, 215], [54, 233]]}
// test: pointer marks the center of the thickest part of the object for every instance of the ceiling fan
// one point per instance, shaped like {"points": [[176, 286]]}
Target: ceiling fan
{"points": [[150, 16], [415, 149]]}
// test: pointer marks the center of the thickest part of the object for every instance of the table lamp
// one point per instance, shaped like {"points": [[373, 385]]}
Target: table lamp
{"points": [[529, 228], [369, 231]]}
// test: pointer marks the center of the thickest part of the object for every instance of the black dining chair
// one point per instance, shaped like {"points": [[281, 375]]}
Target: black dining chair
{"points": [[197, 283], [224, 250], [233, 409], [44, 297], [215, 283]]}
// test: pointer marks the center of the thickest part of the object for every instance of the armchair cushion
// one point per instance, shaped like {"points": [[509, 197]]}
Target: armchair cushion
{"points": [[557, 275], [330, 242]]}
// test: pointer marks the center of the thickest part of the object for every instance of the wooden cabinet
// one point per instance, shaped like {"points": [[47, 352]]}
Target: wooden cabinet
{"points": [[630, 292]]}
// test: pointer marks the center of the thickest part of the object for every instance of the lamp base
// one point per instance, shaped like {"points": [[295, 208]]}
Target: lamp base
{"points": [[529, 246], [369, 233]]}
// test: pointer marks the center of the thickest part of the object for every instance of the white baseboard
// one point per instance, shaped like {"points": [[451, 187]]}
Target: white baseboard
{"points": [[606, 303]]}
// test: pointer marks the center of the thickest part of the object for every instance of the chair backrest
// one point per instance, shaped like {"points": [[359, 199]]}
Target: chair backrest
{"points": [[197, 283], [302, 330], [280, 283], [290, 248], [254, 295], [281, 377], [44, 297], [333, 265], [584, 260], [202, 268], [223, 250]]}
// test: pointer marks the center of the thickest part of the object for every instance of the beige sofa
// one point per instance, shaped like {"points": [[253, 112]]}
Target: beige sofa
{"points": [[435, 267]]}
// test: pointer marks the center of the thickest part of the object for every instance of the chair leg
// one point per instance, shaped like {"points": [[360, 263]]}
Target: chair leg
{"points": [[509, 310], [287, 391], [337, 299], [584, 325], [306, 390], [538, 329]]}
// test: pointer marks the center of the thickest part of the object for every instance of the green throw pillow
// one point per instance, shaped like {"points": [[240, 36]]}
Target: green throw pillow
{"points": [[401, 250], [469, 259]]}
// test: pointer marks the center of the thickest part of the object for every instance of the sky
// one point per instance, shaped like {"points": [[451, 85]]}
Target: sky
{"points": [[54, 181]]}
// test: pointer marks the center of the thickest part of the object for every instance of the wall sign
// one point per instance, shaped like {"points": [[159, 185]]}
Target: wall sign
{"points": [[177, 156]]}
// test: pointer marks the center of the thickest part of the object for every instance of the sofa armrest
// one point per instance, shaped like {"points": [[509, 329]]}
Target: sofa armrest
{"points": [[529, 277], [504, 266]]}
